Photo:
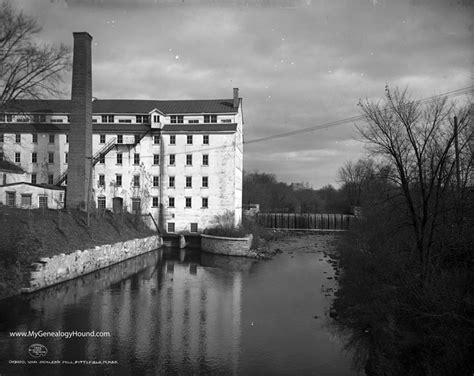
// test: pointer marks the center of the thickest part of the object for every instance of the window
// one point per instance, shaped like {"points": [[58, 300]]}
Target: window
{"points": [[26, 200], [137, 138], [11, 198], [170, 226], [118, 180], [51, 179], [205, 182], [17, 157], [9, 118], [102, 158], [189, 139], [171, 181], [119, 139], [2, 137], [226, 121], [101, 202], [155, 203], [156, 159], [205, 139], [34, 157], [57, 121], [136, 180], [156, 118], [18, 138], [205, 159], [171, 202], [172, 159], [51, 138], [67, 139], [39, 118], [189, 159], [107, 118], [177, 119], [33, 178], [101, 180], [34, 137], [142, 119], [189, 182], [102, 138], [125, 120], [68, 118], [136, 158], [119, 158], [205, 202], [50, 157], [188, 202], [66, 157], [136, 203], [210, 118], [172, 139], [156, 139], [194, 121], [156, 181], [43, 201], [194, 227]]}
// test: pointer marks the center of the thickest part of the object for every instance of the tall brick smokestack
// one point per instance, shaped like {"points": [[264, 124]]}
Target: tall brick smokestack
{"points": [[80, 132]]}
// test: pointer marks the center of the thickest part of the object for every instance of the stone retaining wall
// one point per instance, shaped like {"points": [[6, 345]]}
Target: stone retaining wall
{"points": [[49, 271], [226, 246]]}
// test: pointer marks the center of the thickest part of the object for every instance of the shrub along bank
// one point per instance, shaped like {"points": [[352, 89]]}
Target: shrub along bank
{"points": [[28, 235], [402, 324]]}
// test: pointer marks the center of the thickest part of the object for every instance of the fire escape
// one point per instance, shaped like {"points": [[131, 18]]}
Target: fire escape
{"points": [[102, 153]]}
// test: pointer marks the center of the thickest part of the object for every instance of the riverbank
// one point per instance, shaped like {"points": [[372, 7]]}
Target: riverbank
{"points": [[28, 235]]}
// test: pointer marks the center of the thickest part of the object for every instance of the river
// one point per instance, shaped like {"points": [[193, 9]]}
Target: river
{"points": [[180, 312]]}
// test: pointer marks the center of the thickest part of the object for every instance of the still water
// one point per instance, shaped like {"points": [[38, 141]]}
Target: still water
{"points": [[182, 312]]}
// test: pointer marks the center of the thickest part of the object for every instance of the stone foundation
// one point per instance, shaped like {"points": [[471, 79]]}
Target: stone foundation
{"points": [[226, 246], [49, 271]]}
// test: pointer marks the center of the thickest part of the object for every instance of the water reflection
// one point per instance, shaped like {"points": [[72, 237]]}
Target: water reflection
{"points": [[179, 312]]}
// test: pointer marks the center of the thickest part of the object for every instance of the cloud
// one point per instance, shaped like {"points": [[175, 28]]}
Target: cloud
{"points": [[296, 68]]}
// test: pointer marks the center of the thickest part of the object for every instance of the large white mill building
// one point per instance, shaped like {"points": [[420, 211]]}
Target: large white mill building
{"points": [[179, 160]]}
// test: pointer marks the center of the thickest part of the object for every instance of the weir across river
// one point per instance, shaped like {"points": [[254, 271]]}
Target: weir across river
{"points": [[306, 221]]}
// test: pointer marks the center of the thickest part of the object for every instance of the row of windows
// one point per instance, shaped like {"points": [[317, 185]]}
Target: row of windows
{"points": [[156, 159], [192, 226], [102, 139], [26, 200], [188, 202], [136, 158], [34, 179], [34, 138], [140, 119], [155, 202], [156, 181]]}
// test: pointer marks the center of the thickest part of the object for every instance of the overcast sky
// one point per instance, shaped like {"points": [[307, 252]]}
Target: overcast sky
{"points": [[297, 63]]}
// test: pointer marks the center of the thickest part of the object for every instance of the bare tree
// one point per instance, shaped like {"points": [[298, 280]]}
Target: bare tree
{"points": [[353, 176], [418, 141], [27, 68]]}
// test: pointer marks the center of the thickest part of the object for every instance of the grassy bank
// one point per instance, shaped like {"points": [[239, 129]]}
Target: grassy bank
{"points": [[402, 324], [28, 235]]}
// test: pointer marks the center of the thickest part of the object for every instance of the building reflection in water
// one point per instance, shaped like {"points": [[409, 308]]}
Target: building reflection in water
{"points": [[169, 311]]}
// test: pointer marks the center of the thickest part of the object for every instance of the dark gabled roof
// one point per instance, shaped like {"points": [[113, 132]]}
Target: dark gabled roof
{"points": [[40, 106], [128, 106], [7, 166]]}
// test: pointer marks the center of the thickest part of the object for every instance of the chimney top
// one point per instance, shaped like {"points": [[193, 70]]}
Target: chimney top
{"points": [[236, 97], [82, 34]]}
